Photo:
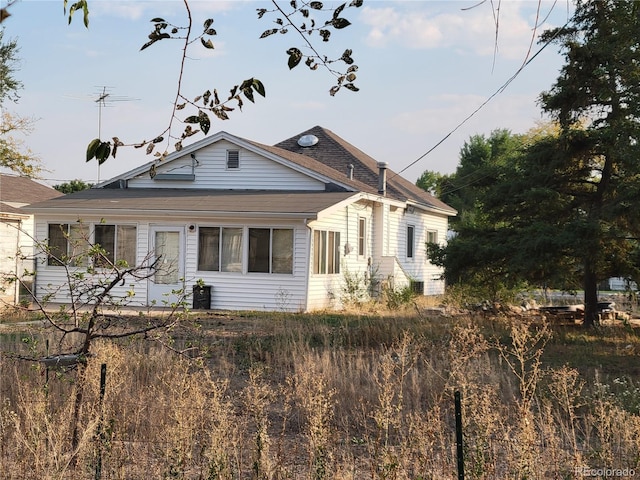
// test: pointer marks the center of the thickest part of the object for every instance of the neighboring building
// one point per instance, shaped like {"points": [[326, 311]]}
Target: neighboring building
{"points": [[266, 227], [17, 231]]}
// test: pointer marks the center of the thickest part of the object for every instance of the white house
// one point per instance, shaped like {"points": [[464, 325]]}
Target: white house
{"points": [[265, 227], [17, 230]]}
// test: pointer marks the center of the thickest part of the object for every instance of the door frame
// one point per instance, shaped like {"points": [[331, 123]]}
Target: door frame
{"points": [[158, 292]]}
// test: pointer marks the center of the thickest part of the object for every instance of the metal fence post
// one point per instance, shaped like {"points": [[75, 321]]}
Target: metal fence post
{"points": [[100, 432], [459, 445]]}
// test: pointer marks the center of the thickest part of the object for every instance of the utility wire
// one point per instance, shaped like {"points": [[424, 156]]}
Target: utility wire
{"points": [[501, 89]]}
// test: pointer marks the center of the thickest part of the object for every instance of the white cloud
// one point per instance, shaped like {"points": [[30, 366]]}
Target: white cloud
{"points": [[136, 10], [127, 10], [438, 25]]}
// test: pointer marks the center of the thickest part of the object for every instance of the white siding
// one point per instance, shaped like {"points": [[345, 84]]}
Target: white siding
{"points": [[419, 268], [254, 291], [385, 258], [230, 291], [254, 172], [10, 235], [54, 281], [326, 290]]}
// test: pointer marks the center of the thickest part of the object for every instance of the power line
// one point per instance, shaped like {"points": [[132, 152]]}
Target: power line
{"points": [[501, 89]]}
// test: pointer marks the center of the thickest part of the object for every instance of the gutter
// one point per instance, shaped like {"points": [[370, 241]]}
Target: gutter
{"points": [[175, 213]]}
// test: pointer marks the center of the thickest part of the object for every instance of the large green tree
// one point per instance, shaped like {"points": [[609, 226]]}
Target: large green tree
{"points": [[476, 253], [565, 210], [596, 101]]}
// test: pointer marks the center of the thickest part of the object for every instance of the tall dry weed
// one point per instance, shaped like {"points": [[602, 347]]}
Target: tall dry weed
{"points": [[316, 401], [258, 396]]}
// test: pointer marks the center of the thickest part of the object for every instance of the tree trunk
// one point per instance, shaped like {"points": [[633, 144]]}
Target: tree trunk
{"points": [[591, 317]]}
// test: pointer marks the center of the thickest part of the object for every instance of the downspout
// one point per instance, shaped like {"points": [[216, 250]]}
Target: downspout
{"points": [[307, 266], [16, 292]]}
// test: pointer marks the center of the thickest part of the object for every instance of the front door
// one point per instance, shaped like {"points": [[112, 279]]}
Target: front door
{"points": [[167, 281]]}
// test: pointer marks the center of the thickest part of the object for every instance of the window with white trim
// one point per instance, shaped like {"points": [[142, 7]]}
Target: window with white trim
{"points": [[411, 233], [326, 252], [362, 236], [118, 243], [270, 250], [432, 238], [68, 244], [220, 249]]}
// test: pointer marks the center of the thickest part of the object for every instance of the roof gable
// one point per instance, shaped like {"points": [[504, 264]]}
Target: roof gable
{"points": [[328, 161], [177, 161]]}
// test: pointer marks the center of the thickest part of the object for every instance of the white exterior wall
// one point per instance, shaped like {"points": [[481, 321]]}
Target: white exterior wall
{"points": [[327, 290], [16, 254], [10, 235], [386, 251], [419, 268], [324, 290], [254, 291], [230, 291], [254, 172], [54, 281]]}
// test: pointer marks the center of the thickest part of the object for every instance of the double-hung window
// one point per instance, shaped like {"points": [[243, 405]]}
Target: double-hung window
{"points": [[117, 243], [432, 239], [68, 244], [326, 253], [362, 236]]}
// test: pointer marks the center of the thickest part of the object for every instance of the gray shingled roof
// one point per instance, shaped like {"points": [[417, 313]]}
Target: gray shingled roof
{"points": [[336, 153], [189, 202], [22, 190]]}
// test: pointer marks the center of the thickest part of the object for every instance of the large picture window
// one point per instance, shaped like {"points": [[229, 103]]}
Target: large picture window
{"points": [[270, 250], [68, 244], [118, 243], [326, 252]]}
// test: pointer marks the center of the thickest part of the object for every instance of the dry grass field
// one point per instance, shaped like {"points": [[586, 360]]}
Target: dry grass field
{"points": [[361, 395]]}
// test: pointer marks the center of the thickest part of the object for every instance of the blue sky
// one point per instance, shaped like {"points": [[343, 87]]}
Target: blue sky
{"points": [[424, 66]]}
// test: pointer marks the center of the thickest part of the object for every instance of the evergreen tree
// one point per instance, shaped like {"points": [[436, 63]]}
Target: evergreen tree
{"points": [[596, 101]]}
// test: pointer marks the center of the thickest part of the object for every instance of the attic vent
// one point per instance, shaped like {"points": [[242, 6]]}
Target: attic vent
{"points": [[233, 159], [307, 140]]}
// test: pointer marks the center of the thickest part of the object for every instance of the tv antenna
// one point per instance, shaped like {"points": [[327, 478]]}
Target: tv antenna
{"points": [[104, 97]]}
